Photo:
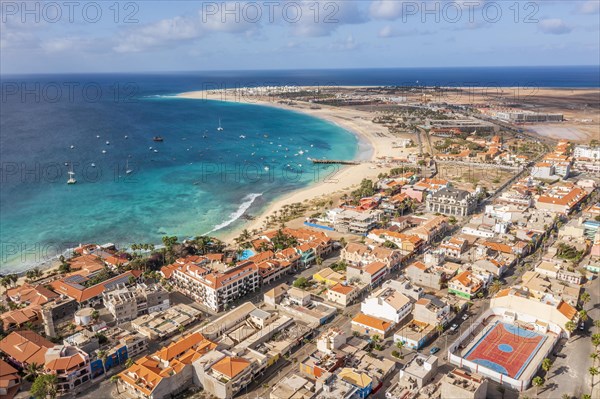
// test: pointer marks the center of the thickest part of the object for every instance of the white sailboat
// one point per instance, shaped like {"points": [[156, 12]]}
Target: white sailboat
{"points": [[71, 176], [220, 128], [127, 170]]}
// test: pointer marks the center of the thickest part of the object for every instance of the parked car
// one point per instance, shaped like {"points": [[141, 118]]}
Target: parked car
{"points": [[465, 316], [454, 327], [434, 350], [561, 355]]}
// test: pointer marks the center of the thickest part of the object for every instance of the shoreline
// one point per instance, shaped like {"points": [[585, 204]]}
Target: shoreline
{"points": [[373, 139]]}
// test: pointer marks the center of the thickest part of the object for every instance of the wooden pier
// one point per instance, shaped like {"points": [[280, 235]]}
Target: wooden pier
{"points": [[335, 161]]}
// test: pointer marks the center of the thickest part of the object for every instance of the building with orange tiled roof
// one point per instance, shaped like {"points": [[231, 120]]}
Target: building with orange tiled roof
{"points": [[72, 286], [453, 247], [465, 285], [431, 229], [10, 382], [25, 347], [272, 270], [166, 372], [407, 244], [370, 325], [69, 364], [371, 274], [21, 317], [344, 294], [360, 254], [560, 198], [216, 289]]}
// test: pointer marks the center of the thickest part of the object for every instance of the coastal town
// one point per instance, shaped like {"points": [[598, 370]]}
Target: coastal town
{"points": [[460, 261]]}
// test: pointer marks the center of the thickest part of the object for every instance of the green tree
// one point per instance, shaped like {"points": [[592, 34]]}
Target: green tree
{"points": [[300, 282], [32, 371], [44, 387], [129, 362], [596, 340], [546, 365], [570, 326], [585, 297], [495, 287], [583, 316], [537, 383], [95, 315]]}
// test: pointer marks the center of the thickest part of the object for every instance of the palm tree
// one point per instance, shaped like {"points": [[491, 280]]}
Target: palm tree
{"points": [[597, 324], [44, 386], [115, 380], [583, 316], [95, 315], [593, 356], [585, 297], [129, 362], [537, 382], [495, 287], [570, 326], [32, 371], [102, 355], [546, 365], [439, 328], [181, 329]]}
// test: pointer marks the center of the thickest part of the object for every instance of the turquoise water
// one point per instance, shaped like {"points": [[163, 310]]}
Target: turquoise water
{"points": [[200, 180]]}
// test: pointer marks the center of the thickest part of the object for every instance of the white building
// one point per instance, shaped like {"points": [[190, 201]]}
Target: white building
{"points": [[387, 304]]}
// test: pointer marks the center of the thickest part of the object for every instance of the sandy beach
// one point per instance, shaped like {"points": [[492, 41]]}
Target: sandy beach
{"points": [[374, 142]]}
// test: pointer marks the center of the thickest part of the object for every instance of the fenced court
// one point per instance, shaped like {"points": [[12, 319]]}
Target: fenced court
{"points": [[506, 349]]}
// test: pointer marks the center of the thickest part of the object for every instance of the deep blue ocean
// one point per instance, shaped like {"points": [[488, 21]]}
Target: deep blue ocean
{"points": [[199, 179]]}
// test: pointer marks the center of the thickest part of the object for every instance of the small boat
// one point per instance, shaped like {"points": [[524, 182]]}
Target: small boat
{"points": [[72, 146], [266, 136], [242, 136], [155, 150], [220, 128], [108, 143], [71, 176], [97, 136], [126, 137], [267, 168], [149, 148], [93, 165], [301, 152], [127, 170], [157, 139], [104, 151]]}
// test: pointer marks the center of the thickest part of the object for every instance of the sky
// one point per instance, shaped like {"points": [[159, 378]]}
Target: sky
{"points": [[147, 36]]}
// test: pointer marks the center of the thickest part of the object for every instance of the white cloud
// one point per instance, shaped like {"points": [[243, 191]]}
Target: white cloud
{"points": [[554, 26], [159, 34], [387, 9], [321, 18]]}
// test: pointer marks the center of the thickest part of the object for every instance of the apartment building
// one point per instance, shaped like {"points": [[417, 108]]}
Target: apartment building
{"points": [[216, 289], [452, 202], [70, 365], [127, 303], [360, 254]]}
